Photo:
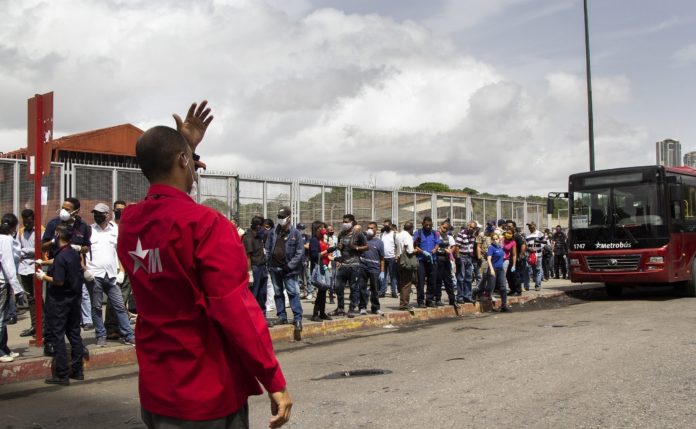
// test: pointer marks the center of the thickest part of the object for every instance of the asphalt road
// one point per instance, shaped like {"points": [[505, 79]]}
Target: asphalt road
{"points": [[598, 364]]}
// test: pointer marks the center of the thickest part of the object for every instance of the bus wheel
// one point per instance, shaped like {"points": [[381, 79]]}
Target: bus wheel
{"points": [[613, 290], [690, 286]]}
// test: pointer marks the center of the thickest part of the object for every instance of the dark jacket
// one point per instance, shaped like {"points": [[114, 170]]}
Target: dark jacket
{"points": [[294, 248]]}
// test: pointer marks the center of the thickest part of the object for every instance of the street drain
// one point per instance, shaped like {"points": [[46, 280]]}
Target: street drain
{"points": [[354, 373]]}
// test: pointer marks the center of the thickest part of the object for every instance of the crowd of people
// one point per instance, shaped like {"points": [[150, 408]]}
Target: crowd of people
{"points": [[77, 266], [287, 264]]}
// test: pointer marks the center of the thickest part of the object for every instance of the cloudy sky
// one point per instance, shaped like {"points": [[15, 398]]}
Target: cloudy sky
{"points": [[487, 94]]}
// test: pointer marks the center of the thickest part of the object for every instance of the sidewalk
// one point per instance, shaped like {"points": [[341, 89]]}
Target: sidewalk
{"points": [[33, 365]]}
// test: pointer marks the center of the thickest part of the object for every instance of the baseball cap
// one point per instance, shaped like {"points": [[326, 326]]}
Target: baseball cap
{"points": [[501, 222], [531, 224], [101, 208], [284, 212], [301, 226]]}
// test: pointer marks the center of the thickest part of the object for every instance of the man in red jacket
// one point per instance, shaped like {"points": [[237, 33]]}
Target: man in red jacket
{"points": [[203, 344]]}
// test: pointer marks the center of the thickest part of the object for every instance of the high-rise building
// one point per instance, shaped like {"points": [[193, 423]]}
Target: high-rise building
{"points": [[668, 153], [690, 159]]}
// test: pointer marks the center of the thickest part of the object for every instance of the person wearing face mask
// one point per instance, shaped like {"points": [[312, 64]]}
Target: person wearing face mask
{"points": [[103, 263], [285, 252], [81, 234], [373, 263], [352, 243], [426, 242], [444, 258], [466, 247], [536, 240], [331, 242], [509, 246], [9, 283], [253, 241], [497, 264], [560, 250], [26, 269], [110, 320], [319, 252], [390, 266], [203, 343]]}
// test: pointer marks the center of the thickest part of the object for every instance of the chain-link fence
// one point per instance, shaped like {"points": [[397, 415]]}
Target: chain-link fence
{"points": [[248, 196]]}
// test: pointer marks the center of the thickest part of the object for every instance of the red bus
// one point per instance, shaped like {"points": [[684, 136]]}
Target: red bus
{"points": [[633, 226]]}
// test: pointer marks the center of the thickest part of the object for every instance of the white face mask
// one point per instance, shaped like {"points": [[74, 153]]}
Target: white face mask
{"points": [[284, 221], [64, 215], [370, 233], [346, 226]]}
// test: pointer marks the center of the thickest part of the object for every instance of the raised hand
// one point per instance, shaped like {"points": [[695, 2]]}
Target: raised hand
{"points": [[193, 128]]}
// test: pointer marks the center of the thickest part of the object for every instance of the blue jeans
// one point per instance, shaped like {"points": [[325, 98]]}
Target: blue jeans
{"points": [[289, 283], [258, 288], [466, 276], [354, 277], [85, 305], [391, 270], [97, 289], [537, 271], [500, 282]]}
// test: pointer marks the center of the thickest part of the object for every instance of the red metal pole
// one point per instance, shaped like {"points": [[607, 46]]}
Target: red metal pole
{"points": [[38, 175]]}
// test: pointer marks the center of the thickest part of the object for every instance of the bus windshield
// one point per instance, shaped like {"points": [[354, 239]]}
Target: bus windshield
{"points": [[622, 212]]}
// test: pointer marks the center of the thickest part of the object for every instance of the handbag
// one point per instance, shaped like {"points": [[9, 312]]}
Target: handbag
{"points": [[532, 258], [408, 262], [320, 277]]}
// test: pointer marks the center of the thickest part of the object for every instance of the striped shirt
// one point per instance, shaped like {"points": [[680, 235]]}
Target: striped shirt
{"points": [[536, 241], [465, 241]]}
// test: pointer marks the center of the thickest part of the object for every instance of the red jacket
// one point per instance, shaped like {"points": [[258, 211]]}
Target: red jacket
{"points": [[202, 341]]}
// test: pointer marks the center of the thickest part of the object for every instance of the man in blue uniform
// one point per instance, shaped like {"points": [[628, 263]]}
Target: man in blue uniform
{"points": [[63, 314]]}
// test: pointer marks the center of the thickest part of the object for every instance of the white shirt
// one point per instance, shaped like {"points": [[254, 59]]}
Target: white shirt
{"points": [[26, 254], [404, 240], [102, 258], [389, 245], [8, 273]]}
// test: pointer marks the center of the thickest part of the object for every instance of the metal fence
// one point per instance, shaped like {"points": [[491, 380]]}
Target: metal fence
{"points": [[251, 195]]}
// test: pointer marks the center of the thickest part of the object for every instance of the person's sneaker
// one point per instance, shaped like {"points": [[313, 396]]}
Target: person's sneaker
{"points": [[395, 295], [382, 295], [281, 322], [12, 320], [101, 342], [379, 312], [350, 314], [325, 317], [315, 318], [429, 304], [28, 332], [114, 336], [87, 327], [13, 355], [59, 381], [538, 288], [129, 341], [363, 312], [338, 312], [504, 309], [421, 305], [49, 350], [6, 358], [439, 304]]}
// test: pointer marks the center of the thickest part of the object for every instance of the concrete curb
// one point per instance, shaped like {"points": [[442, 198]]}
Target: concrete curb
{"points": [[40, 367]]}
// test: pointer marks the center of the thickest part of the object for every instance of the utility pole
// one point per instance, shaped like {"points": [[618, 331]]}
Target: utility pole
{"points": [[589, 91]]}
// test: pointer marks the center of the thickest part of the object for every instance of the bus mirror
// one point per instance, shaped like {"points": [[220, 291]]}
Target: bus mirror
{"points": [[675, 192], [549, 206]]}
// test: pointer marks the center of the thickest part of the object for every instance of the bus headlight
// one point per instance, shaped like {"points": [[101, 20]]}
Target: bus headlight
{"points": [[656, 260], [575, 262]]}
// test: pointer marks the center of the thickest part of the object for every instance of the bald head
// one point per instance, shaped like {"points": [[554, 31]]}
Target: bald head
{"points": [[157, 150]]}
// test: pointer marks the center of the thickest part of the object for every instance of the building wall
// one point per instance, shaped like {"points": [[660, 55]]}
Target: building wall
{"points": [[668, 153]]}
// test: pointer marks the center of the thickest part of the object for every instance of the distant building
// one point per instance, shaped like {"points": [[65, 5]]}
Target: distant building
{"points": [[107, 146], [690, 159], [668, 153]]}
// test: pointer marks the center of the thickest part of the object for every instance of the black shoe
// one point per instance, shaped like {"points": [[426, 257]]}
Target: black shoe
{"points": [[382, 295], [421, 305], [12, 320], [77, 376], [315, 318], [28, 332], [325, 317], [564, 278], [430, 304], [350, 314], [281, 322], [298, 325], [60, 381], [518, 293], [504, 309], [88, 327], [394, 295], [338, 312], [557, 277], [49, 350], [439, 304], [467, 301]]}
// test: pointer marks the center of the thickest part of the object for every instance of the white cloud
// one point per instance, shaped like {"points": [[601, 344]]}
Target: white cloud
{"points": [[685, 55], [322, 95]]}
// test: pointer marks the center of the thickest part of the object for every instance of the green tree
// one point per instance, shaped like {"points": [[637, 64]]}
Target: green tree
{"points": [[434, 187]]}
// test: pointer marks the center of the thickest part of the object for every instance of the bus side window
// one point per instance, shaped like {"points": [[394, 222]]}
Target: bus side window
{"points": [[688, 208]]}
